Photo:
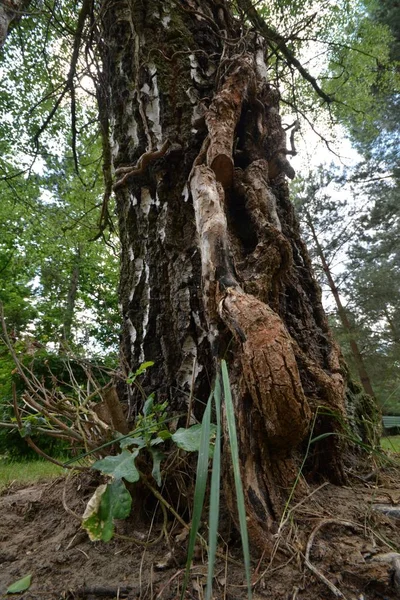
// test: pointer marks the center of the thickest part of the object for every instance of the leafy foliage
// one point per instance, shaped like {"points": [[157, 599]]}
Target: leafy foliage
{"points": [[110, 502], [58, 284], [120, 466]]}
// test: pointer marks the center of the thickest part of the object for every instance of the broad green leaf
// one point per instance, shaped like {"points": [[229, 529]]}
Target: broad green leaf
{"points": [[190, 439], [20, 586], [164, 435], [230, 418], [120, 466], [158, 456], [109, 502]]}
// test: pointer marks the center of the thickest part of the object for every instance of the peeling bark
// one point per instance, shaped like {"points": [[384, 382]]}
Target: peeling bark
{"points": [[222, 118]]}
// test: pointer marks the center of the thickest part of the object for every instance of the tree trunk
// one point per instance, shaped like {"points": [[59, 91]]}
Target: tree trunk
{"points": [[71, 301], [10, 11], [212, 263], [392, 327], [358, 359]]}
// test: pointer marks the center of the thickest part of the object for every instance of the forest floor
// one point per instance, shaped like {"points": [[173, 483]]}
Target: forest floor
{"points": [[334, 543]]}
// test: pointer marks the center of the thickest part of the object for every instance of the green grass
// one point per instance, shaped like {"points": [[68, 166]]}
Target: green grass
{"points": [[26, 472], [391, 443]]}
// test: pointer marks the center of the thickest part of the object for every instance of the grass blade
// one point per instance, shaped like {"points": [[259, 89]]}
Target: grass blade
{"points": [[214, 493], [200, 489], [230, 418]]}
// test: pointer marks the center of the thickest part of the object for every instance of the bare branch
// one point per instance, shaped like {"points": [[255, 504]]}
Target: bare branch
{"points": [[279, 42]]}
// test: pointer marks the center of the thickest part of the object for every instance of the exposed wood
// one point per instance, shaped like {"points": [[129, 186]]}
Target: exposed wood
{"points": [[118, 419]]}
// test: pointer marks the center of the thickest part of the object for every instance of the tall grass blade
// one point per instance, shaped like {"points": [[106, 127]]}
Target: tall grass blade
{"points": [[299, 474], [230, 418], [214, 493], [200, 489]]}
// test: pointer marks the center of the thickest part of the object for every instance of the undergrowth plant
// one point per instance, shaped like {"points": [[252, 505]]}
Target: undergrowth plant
{"points": [[151, 435], [201, 480]]}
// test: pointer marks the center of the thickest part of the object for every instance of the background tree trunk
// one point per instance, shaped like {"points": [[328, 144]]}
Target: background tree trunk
{"points": [[69, 310], [212, 262], [358, 359]]}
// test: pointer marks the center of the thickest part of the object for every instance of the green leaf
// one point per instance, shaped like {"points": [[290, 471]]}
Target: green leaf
{"points": [[20, 586], [200, 489], [230, 418], [91, 518], [132, 441], [156, 441], [109, 502], [158, 456], [120, 466], [148, 405], [143, 367], [190, 439], [164, 434], [323, 436]]}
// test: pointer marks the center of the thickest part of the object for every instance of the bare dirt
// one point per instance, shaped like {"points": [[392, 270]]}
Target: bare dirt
{"points": [[334, 544]]}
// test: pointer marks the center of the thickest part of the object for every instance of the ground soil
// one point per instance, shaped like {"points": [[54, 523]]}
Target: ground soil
{"points": [[352, 549]]}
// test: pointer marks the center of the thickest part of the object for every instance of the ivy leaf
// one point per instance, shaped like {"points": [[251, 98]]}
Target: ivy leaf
{"points": [[120, 466], [189, 439], [158, 456], [109, 502], [20, 586]]}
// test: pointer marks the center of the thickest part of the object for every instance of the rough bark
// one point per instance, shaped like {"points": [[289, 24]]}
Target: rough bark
{"points": [[212, 261], [10, 11]]}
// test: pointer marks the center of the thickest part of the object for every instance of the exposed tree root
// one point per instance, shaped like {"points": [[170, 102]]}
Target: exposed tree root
{"points": [[310, 542]]}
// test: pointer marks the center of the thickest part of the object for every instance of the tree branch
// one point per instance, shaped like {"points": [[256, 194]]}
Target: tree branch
{"points": [[273, 36]]}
